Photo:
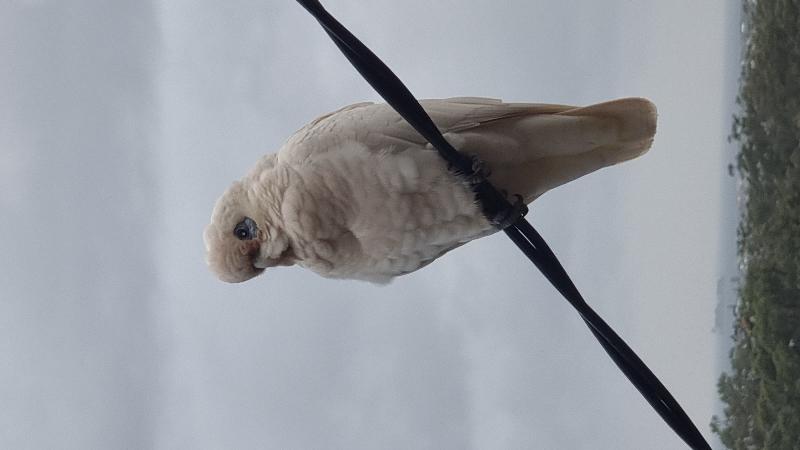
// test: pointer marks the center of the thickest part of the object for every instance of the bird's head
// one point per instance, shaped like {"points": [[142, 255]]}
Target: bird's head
{"points": [[241, 240]]}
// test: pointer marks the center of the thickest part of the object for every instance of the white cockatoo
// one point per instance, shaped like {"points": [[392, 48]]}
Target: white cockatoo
{"points": [[359, 194]]}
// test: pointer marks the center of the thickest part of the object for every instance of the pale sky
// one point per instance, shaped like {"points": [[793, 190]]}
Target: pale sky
{"points": [[121, 124]]}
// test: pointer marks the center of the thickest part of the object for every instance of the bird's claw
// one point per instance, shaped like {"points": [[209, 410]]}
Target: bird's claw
{"points": [[479, 174], [508, 216], [479, 171]]}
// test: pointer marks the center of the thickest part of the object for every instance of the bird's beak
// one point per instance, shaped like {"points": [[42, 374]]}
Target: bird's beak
{"points": [[287, 258], [262, 263]]}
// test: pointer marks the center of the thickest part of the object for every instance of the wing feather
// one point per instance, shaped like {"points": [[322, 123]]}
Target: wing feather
{"points": [[380, 128], [530, 147]]}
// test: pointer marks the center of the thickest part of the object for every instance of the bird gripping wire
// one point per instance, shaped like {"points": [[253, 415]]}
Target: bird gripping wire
{"points": [[510, 218]]}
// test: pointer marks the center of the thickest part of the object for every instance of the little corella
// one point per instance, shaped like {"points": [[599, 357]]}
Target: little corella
{"points": [[359, 194]]}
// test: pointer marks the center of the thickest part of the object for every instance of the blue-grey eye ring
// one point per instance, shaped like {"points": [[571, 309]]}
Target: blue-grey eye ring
{"points": [[246, 229]]}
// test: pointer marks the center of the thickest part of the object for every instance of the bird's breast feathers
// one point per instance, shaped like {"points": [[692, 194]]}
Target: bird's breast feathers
{"points": [[359, 212]]}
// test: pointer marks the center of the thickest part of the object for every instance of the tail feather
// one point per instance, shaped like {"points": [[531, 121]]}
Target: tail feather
{"points": [[532, 154]]}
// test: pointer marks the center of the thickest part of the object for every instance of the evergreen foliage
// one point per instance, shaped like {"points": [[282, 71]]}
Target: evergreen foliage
{"points": [[762, 390]]}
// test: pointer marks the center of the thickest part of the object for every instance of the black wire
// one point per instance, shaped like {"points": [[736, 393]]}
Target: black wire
{"points": [[623, 356], [521, 232]]}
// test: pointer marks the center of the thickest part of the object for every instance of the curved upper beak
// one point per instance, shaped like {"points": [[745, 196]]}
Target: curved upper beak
{"points": [[287, 258]]}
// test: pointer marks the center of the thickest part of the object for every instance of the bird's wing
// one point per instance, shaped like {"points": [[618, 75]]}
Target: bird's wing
{"points": [[529, 147], [380, 128], [536, 151]]}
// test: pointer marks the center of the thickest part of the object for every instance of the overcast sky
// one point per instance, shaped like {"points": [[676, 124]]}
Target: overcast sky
{"points": [[121, 123]]}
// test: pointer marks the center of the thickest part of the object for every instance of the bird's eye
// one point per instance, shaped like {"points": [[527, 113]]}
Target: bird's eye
{"points": [[245, 230]]}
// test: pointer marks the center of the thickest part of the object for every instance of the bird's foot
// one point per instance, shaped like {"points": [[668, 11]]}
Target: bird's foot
{"points": [[479, 171], [508, 216]]}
